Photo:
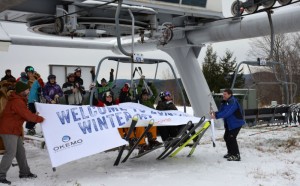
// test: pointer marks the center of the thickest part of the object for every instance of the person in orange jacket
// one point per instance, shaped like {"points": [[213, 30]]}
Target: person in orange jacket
{"points": [[147, 97], [108, 100], [12, 118]]}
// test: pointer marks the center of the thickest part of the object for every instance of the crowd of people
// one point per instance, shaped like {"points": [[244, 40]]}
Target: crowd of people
{"points": [[18, 95], [17, 98]]}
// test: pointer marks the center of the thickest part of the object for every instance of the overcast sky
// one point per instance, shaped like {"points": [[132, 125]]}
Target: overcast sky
{"points": [[40, 57]]}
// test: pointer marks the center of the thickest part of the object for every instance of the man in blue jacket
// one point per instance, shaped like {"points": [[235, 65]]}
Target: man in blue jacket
{"points": [[232, 113]]}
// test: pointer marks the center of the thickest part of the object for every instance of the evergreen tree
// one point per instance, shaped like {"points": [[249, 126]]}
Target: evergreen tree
{"points": [[228, 67], [211, 69]]}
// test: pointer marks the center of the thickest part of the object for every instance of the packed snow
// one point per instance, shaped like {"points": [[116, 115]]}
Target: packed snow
{"points": [[270, 156]]}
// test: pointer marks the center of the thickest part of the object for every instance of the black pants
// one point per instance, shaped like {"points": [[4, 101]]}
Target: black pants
{"points": [[167, 132], [230, 140], [30, 125]]}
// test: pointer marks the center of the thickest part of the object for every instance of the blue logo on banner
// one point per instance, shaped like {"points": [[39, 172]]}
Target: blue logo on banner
{"points": [[66, 138]]}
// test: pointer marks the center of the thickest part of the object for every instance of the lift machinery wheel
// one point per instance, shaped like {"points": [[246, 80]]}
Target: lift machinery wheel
{"points": [[235, 8], [268, 3], [284, 2], [251, 9]]}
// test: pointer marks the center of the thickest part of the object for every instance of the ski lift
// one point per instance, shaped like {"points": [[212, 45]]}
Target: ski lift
{"points": [[251, 6], [146, 61]]}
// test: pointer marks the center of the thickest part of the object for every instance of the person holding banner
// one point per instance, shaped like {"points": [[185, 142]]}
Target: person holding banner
{"points": [[108, 100], [148, 94], [103, 87], [125, 94], [232, 113], [166, 103], [14, 115]]}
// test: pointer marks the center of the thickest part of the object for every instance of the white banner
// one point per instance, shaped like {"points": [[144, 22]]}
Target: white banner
{"points": [[73, 132]]}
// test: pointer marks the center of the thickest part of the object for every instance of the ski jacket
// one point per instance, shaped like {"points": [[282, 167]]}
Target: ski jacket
{"points": [[15, 114], [150, 102], [232, 113], [166, 105], [72, 98], [50, 90], [35, 91], [79, 80], [103, 104], [101, 89], [6, 77], [125, 95]]}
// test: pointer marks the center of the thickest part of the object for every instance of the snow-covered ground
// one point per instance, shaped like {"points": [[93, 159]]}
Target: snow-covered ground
{"points": [[270, 158]]}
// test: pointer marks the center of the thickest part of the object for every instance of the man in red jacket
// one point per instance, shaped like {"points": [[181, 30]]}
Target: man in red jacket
{"points": [[12, 118]]}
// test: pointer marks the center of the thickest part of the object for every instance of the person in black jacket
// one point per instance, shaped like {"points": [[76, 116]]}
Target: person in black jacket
{"points": [[166, 103], [77, 73], [73, 91], [125, 95], [8, 76]]}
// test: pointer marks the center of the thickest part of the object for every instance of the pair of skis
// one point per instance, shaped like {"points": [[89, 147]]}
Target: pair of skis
{"points": [[172, 147], [122, 148], [168, 143], [178, 141], [131, 128], [198, 134]]}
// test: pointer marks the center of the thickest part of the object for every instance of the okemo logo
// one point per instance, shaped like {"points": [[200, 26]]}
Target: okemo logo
{"points": [[66, 138], [68, 142]]}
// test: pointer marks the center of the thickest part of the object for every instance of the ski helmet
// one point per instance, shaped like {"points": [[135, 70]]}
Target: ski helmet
{"points": [[162, 95], [29, 69]]}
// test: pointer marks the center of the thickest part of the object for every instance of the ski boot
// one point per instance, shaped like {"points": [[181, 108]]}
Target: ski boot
{"points": [[154, 143], [142, 148], [31, 132], [234, 158], [227, 155], [5, 181], [30, 175]]}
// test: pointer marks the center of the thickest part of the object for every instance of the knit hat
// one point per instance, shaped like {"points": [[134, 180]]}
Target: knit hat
{"points": [[103, 80], [23, 75], [70, 75], [20, 87]]}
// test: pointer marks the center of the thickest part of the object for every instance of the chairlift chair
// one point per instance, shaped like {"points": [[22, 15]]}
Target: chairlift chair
{"points": [[128, 60]]}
